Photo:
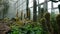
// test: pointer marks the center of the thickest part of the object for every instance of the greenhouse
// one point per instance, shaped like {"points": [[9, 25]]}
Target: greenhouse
{"points": [[29, 16]]}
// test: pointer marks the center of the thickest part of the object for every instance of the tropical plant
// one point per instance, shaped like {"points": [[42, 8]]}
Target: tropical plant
{"points": [[44, 26], [49, 25], [27, 29], [58, 22], [53, 22]]}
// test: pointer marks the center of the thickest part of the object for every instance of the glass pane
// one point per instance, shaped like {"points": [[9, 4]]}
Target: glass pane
{"points": [[49, 10], [56, 4], [57, 0], [37, 2], [31, 4], [24, 5], [41, 6], [41, 1], [31, 10], [49, 5], [37, 8], [56, 11], [30, 1]]}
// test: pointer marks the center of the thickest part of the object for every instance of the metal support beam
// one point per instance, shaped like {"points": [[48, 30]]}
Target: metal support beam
{"points": [[34, 11], [27, 2]]}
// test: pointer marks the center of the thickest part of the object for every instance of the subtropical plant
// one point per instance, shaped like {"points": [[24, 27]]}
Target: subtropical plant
{"points": [[49, 25], [27, 29], [53, 22], [44, 26], [58, 22]]}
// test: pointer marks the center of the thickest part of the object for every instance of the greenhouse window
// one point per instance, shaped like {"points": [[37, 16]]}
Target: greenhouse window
{"points": [[41, 6], [56, 11], [30, 3], [49, 5], [41, 1], [56, 4], [49, 10]]}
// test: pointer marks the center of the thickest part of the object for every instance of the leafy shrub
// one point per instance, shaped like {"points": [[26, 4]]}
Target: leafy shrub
{"points": [[49, 25], [44, 26], [47, 16], [26, 29], [58, 19], [53, 22], [58, 22]]}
